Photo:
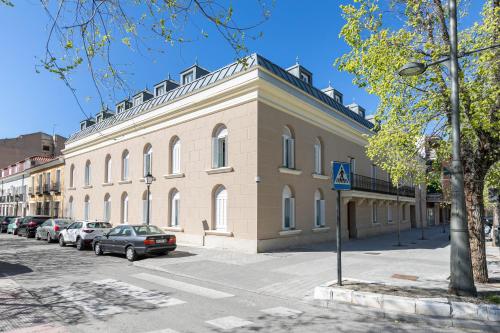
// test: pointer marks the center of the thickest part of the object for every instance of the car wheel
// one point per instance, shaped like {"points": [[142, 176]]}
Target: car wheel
{"points": [[130, 253], [80, 246], [61, 241], [97, 249], [49, 239]]}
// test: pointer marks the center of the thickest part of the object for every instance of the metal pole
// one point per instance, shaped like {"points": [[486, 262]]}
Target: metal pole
{"points": [[461, 278], [397, 205], [147, 207], [339, 243], [421, 213]]}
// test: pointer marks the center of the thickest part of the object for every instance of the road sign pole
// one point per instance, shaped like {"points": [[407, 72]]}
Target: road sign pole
{"points": [[339, 243]]}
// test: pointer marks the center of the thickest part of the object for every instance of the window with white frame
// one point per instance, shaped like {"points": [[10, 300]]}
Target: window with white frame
{"points": [[137, 100], [107, 207], [148, 160], [125, 165], [220, 204], [86, 208], [374, 213], [147, 207], [87, 173], [175, 201], [389, 213], [288, 148], [160, 90], [71, 176], [288, 202], [188, 77], [219, 147], [319, 209], [107, 169], [124, 209], [175, 156], [318, 161]]}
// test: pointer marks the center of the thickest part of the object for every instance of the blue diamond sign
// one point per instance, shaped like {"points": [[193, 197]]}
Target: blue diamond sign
{"points": [[341, 176]]}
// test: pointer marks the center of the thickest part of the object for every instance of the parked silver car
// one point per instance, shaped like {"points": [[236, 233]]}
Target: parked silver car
{"points": [[50, 229], [82, 233]]}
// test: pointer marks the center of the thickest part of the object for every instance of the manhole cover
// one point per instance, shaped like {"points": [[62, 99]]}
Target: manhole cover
{"points": [[405, 277]]}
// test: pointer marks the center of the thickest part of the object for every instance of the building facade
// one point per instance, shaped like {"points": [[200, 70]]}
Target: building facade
{"points": [[241, 158], [45, 195], [24, 146]]}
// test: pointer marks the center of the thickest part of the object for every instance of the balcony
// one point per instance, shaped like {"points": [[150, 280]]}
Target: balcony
{"points": [[46, 188], [55, 187], [39, 190], [369, 184]]}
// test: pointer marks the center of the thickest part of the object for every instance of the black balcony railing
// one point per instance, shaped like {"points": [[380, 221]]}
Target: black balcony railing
{"points": [[369, 184], [46, 188], [55, 187]]}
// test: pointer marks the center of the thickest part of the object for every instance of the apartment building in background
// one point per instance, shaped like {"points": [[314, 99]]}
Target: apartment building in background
{"points": [[24, 146], [240, 157], [45, 191]]}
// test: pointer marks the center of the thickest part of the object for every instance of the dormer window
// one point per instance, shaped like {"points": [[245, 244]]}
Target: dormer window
{"points": [[337, 99], [304, 77], [160, 90], [120, 108], [82, 126], [188, 77], [137, 100], [99, 118]]}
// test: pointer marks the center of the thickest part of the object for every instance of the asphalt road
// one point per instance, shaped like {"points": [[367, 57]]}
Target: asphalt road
{"points": [[46, 288]]}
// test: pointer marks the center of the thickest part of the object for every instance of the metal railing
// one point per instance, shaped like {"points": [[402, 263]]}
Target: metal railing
{"points": [[369, 184], [55, 187]]}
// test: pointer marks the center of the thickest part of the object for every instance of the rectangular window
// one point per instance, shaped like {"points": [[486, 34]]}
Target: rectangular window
{"points": [[175, 212], [147, 164], [119, 109], [188, 77], [317, 159], [320, 213], [137, 100], [45, 148], [125, 168], [288, 213], [288, 153], [58, 179], [125, 211], [374, 213], [176, 158], [305, 78], [222, 152], [56, 209], [160, 90]]}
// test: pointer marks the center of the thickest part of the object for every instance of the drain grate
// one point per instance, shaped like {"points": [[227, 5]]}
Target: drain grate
{"points": [[405, 277]]}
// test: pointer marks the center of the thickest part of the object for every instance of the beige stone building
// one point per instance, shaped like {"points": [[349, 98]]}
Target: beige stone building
{"points": [[45, 191], [241, 159]]}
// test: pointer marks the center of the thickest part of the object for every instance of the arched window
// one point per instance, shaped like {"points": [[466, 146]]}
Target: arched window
{"points": [[175, 203], [124, 210], [107, 207], [72, 176], [88, 173], [147, 207], [288, 148], [219, 147], [107, 169], [220, 203], [288, 209], [318, 157], [70, 208], [148, 160], [175, 155], [125, 165], [319, 209], [86, 208]]}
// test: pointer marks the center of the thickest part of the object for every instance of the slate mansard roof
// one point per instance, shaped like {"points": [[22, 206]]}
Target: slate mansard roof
{"points": [[211, 78]]}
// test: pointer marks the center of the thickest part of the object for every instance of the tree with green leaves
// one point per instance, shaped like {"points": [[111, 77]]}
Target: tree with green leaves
{"points": [[385, 35], [93, 34]]}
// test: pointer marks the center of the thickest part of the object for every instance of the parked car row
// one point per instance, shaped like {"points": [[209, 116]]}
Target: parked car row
{"points": [[133, 241]]}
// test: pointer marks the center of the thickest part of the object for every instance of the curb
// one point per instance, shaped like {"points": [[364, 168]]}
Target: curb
{"points": [[435, 307]]}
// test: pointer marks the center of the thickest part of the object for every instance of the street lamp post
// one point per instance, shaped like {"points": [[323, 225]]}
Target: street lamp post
{"points": [[149, 179], [461, 278]]}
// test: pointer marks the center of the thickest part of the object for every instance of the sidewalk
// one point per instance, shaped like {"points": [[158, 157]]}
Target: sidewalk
{"points": [[296, 272]]}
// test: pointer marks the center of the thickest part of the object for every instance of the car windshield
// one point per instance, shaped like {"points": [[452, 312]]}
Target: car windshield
{"points": [[99, 225], [62, 223], [148, 230]]}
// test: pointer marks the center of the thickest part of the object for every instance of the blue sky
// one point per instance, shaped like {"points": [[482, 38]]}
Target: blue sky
{"points": [[39, 102]]}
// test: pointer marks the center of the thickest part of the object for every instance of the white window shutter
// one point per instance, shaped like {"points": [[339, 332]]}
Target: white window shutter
{"points": [[292, 213], [283, 212], [316, 159], [322, 211], [284, 143], [292, 154]]}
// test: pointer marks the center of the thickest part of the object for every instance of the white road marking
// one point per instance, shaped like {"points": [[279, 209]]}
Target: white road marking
{"points": [[183, 286], [281, 311], [88, 302], [139, 293], [228, 323]]}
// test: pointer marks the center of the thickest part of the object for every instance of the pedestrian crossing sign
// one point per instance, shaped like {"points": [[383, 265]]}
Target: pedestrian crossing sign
{"points": [[341, 176]]}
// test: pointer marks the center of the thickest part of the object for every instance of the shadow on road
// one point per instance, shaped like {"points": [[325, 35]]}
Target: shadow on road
{"points": [[9, 269]]}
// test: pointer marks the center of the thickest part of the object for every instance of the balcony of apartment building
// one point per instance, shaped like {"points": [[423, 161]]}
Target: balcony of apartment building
{"points": [[46, 188], [55, 188], [369, 184], [39, 189]]}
